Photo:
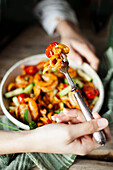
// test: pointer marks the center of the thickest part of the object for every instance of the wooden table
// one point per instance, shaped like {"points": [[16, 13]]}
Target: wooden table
{"points": [[33, 41]]}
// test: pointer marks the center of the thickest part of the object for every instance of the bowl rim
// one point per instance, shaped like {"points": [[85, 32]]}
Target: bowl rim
{"points": [[43, 56]]}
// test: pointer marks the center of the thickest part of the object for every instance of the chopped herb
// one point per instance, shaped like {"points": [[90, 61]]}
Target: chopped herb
{"points": [[57, 111], [32, 125]]}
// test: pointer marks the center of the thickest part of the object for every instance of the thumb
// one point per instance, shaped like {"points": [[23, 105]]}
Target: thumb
{"points": [[87, 128]]}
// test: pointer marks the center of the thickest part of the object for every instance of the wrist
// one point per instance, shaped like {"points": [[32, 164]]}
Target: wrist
{"points": [[66, 28], [34, 141]]}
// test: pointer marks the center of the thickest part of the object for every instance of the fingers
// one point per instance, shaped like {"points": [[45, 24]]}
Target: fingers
{"points": [[106, 130], [72, 112], [66, 117], [87, 128], [75, 116], [69, 115], [86, 52], [86, 144]]}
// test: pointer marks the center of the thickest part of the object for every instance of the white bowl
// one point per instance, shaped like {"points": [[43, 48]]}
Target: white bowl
{"points": [[32, 60]]}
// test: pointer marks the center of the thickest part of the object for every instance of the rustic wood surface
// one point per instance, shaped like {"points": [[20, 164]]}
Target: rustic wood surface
{"points": [[33, 41]]}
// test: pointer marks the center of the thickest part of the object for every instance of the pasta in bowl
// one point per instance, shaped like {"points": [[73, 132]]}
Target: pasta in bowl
{"points": [[31, 97]]}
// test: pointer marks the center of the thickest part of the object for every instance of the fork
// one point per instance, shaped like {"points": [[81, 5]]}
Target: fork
{"points": [[98, 136]]}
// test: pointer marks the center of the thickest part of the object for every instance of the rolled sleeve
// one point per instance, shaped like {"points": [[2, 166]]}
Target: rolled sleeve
{"points": [[51, 12]]}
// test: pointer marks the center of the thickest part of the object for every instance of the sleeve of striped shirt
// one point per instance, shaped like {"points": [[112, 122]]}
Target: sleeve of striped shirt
{"points": [[50, 12]]}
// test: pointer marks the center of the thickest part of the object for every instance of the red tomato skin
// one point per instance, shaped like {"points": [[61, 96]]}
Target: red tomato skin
{"points": [[21, 98], [48, 50], [57, 95], [65, 85], [31, 69], [90, 92]]}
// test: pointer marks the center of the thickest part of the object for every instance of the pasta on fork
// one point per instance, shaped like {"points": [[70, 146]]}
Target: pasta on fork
{"points": [[54, 52]]}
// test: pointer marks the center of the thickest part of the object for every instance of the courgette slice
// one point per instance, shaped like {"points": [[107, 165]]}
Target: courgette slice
{"points": [[84, 75], [18, 91], [95, 100], [64, 91], [13, 92], [12, 108], [76, 81], [29, 88], [57, 111], [15, 100], [27, 116]]}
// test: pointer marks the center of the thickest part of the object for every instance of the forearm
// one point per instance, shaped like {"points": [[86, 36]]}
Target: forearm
{"points": [[71, 28], [13, 141], [24, 141]]}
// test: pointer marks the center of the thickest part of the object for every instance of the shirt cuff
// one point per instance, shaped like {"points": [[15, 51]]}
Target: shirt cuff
{"points": [[50, 16]]}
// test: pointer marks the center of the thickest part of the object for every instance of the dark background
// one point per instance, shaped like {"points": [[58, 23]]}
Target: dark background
{"points": [[17, 15]]}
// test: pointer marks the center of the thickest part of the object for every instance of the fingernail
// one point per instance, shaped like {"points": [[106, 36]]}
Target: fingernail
{"points": [[102, 123]]}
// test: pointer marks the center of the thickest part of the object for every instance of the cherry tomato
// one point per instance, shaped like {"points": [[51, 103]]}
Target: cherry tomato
{"points": [[65, 85], [91, 92], [21, 98], [49, 51], [31, 69]]}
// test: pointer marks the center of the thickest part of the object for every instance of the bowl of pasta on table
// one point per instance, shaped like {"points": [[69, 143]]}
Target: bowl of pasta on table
{"points": [[29, 98]]}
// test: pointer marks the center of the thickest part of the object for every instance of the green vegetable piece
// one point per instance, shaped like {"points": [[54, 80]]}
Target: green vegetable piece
{"points": [[84, 75], [65, 81], [13, 92], [32, 125], [95, 100], [18, 91], [27, 116], [12, 108], [76, 81], [64, 91], [29, 88], [57, 111], [15, 100]]}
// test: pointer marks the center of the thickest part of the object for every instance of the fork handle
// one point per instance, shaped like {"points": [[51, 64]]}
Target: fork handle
{"points": [[98, 136]]}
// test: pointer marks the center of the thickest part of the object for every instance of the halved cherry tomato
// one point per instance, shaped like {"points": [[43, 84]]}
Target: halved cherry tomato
{"points": [[49, 51], [31, 69], [91, 92], [21, 98], [65, 85]]}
